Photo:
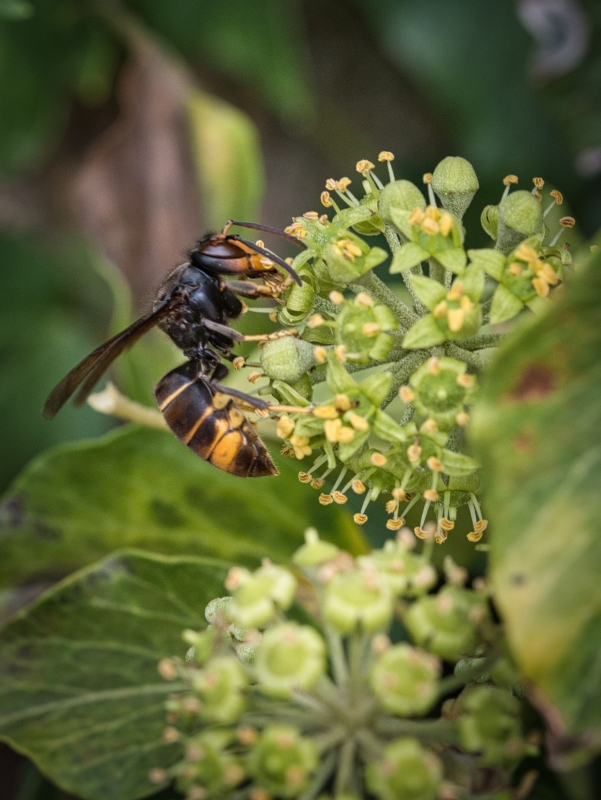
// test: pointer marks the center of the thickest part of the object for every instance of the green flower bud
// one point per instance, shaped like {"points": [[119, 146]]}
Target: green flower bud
{"points": [[202, 644], [489, 219], [259, 595], [455, 182], [405, 680], [299, 304], [282, 761], [405, 573], [358, 597], [407, 771], [362, 329], [208, 765], [221, 686], [402, 195], [315, 551], [289, 657], [287, 359], [442, 388], [520, 216], [489, 724], [446, 624]]}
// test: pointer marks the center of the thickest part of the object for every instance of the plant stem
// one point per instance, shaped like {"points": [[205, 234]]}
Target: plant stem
{"points": [[346, 761], [321, 777], [394, 244], [437, 271], [483, 340], [326, 305], [476, 360], [337, 655], [439, 730]]}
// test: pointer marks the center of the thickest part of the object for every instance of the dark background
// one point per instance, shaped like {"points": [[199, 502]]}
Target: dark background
{"points": [[104, 181]]}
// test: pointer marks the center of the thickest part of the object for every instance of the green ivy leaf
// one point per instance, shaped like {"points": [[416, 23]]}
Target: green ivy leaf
{"points": [[424, 333], [407, 256], [537, 431], [376, 387], [429, 291], [81, 695], [142, 488], [505, 305]]}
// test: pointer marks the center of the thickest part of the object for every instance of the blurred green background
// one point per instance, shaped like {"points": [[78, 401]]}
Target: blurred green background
{"points": [[128, 129]]}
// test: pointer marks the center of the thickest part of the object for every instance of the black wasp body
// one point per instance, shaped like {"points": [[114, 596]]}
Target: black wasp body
{"points": [[194, 306]]}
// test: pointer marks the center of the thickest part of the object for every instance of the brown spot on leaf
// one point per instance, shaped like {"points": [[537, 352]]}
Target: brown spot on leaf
{"points": [[534, 382]]}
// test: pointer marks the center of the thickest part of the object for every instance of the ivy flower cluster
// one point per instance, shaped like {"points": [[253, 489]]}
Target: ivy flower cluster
{"points": [[419, 350], [280, 698]]}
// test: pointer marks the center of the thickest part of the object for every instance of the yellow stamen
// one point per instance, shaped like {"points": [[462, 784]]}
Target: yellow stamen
{"points": [[541, 286], [432, 213], [331, 184], [416, 217], [344, 183], [285, 427], [456, 291], [238, 362], [515, 269], [363, 299], [465, 380], [391, 506], [339, 498], [378, 459], [526, 253], [326, 200], [406, 394], [567, 222], [370, 329], [336, 297], [364, 167], [446, 224], [455, 319], [466, 304], [427, 177], [538, 182], [323, 219], [304, 477], [433, 366], [253, 377], [430, 226], [321, 355], [550, 275], [399, 494], [331, 429], [446, 524], [313, 215], [315, 321], [435, 464], [509, 179], [342, 402], [395, 524], [325, 499], [358, 486], [481, 525], [358, 422], [430, 426], [325, 412], [431, 495], [317, 483], [385, 155], [474, 537], [462, 419], [414, 452], [360, 519], [440, 310], [340, 351], [557, 196], [346, 435]]}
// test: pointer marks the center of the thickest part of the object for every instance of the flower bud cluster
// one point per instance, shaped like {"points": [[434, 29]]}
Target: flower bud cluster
{"points": [[284, 699], [424, 355]]}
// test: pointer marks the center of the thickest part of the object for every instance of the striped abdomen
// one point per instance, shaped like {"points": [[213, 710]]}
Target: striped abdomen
{"points": [[211, 424]]}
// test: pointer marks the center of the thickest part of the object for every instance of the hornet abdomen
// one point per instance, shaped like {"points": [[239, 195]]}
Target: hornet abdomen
{"points": [[211, 424]]}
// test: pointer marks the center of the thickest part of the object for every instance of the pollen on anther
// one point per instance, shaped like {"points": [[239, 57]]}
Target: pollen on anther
{"points": [[427, 177], [557, 196], [325, 499], [304, 477], [473, 536], [326, 199], [567, 222], [317, 483], [238, 362], [364, 166], [395, 524], [339, 498], [253, 377], [331, 184], [538, 182], [336, 297], [378, 459], [509, 179], [360, 519], [358, 486]]}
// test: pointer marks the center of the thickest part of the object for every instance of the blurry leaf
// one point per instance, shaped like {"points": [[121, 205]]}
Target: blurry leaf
{"points": [[51, 312], [15, 9], [80, 693], [261, 44], [143, 488], [537, 432], [135, 193], [228, 158]]}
